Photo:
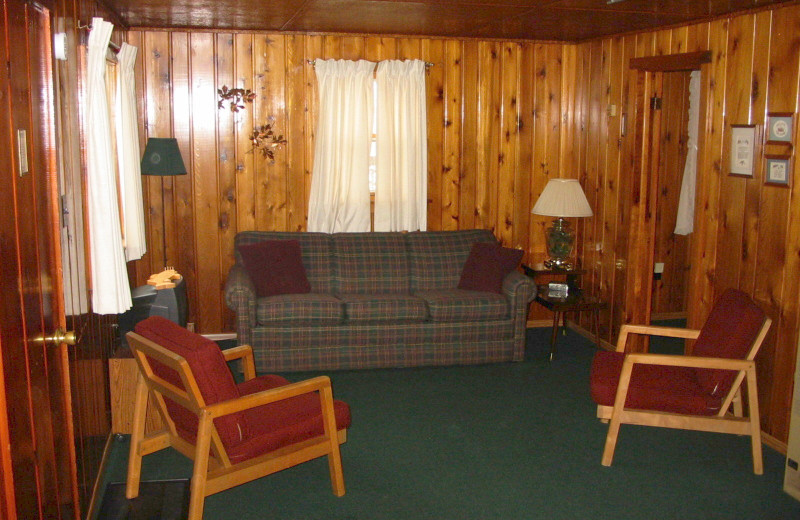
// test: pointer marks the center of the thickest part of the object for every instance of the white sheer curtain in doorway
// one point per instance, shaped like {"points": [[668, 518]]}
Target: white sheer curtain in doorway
{"points": [[111, 292], [339, 199], [401, 180], [685, 221]]}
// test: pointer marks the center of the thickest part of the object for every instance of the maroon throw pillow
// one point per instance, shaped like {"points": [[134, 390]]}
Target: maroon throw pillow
{"points": [[275, 267], [487, 266]]}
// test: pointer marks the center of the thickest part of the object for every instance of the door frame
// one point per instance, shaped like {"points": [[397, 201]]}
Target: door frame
{"points": [[648, 83]]}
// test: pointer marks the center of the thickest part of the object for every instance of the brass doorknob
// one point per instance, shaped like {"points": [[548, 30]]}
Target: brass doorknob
{"points": [[59, 336]]}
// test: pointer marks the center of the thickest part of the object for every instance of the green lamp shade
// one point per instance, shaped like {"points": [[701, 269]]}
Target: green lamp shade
{"points": [[162, 157]]}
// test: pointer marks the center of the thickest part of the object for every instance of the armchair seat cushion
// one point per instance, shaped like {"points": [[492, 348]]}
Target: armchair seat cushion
{"points": [[652, 387], [300, 309], [462, 305], [375, 308], [272, 426]]}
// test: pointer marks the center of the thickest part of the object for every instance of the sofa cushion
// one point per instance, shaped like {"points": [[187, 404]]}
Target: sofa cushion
{"points": [[275, 267], [487, 265], [461, 305], [316, 253], [299, 309], [211, 372], [393, 308], [436, 258], [370, 263], [652, 387], [272, 426]]}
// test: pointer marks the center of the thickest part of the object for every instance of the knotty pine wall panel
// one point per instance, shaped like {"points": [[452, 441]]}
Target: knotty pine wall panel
{"points": [[497, 133], [747, 233]]}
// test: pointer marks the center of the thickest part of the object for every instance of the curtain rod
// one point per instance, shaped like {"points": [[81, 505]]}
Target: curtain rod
{"points": [[427, 63], [111, 45]]}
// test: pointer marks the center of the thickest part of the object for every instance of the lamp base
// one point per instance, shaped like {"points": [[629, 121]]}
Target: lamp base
{"points": [[562, 264], [560, 239]]}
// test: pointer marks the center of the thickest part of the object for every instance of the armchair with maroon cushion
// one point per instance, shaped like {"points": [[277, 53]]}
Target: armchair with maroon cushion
{"points": [[687, 392], [235, 433]]}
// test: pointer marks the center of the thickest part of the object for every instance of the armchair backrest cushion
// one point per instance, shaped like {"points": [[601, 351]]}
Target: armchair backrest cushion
{"points": [[211, 373], [729, 332], [370, 263], [437, 257], [316, 249]]}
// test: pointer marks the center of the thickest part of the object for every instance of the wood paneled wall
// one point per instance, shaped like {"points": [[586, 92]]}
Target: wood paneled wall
{"points": [[747, 234], [497, 118]]}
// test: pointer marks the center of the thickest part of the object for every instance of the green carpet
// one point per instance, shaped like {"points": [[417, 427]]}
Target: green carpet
{"points": [[504, 441]]}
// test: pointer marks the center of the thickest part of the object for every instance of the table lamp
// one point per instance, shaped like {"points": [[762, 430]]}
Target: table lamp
{"points": [[162, 158], [561, 198]]}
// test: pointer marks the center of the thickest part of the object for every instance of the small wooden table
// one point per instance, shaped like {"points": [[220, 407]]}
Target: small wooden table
{"points": [[575, 301]]}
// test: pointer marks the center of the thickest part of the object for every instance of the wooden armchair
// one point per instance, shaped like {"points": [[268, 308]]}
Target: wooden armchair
{"points": [[234, 433], [687, 392]]}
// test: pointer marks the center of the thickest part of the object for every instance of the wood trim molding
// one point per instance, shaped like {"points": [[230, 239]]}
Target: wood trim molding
{"points": [[672, 62]]}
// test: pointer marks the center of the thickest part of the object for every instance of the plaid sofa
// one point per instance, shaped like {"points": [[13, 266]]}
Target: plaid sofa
{"points": [[379, 300]]}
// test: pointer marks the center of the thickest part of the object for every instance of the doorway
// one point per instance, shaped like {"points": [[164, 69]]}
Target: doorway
{"points": [[651, 75], [671, 259]]}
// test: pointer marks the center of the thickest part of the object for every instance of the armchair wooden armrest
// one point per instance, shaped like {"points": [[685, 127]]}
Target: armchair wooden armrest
{"points": [[653, 330], [688, 361], [320, 384], [245, 353]]}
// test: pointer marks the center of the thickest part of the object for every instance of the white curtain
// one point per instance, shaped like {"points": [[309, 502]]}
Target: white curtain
{"points": [[129, 156], [401, 189], [111, 292], [339, 199], [685, 221]]}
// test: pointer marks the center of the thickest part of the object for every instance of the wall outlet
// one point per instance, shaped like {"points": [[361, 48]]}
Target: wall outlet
{"points": [[659, 268], [190, 326]]}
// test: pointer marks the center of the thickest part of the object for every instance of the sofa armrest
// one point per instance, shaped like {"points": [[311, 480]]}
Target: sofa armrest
{"points": [[520, 291], [517, 285], [240, 296]]}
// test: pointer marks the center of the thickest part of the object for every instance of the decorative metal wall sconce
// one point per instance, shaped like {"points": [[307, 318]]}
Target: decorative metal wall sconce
{"points": [[236, 96], [265, 141]]}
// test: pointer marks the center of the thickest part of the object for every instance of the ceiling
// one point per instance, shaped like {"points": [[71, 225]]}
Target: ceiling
{"points": [[564, 20]]}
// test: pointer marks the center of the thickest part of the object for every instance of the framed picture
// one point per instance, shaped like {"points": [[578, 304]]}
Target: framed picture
{"points": [[778, 170], [743, 140], [780, 126]]}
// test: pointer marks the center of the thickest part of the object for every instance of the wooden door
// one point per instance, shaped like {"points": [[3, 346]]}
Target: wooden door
{"points": [[643, 186], [37, 456]]}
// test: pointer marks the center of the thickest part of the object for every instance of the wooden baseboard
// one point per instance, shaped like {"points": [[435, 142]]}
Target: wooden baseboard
{"points": [[668, 316], [93, 500], [534, 324], [773, 443]]}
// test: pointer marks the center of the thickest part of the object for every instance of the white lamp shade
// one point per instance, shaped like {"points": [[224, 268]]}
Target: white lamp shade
{"points": [[562, 198]]}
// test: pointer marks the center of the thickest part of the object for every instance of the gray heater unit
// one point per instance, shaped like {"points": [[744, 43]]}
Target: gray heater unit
{"points": [[791, 480]]}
